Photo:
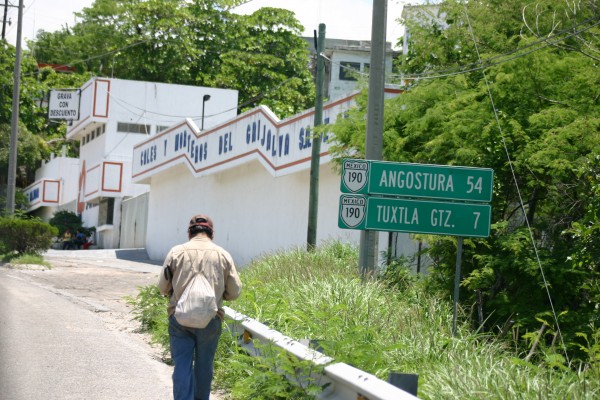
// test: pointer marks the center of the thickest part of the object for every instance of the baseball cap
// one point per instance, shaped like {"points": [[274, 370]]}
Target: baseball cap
{"points": [[201, 220]]}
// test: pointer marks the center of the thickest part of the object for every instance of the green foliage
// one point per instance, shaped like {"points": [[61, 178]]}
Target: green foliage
{"points": [[274, 375], [35, 259], [21, 205], [64, 220], [543, 149], [25, 236], [377, 328], [398, 275], [150, 309], [198, 42], [267, 63]]}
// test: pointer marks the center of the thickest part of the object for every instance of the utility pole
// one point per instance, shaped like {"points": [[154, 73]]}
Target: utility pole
{"points": [[4, 19], [315, 161], [374, 138], [14, 124]]}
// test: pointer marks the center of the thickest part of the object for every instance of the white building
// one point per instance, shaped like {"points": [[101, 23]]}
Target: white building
{"points": [[346, 62], [55, 186], [140, 176], [115, 115], [250, 174]]}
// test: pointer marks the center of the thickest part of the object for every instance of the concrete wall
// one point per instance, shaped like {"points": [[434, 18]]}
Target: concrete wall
{"points": [[55, 186], [253, 212], [250, 174], [134, 222]]}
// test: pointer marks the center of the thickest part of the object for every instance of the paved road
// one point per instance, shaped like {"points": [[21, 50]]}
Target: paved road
{"points": [[65, 333]]}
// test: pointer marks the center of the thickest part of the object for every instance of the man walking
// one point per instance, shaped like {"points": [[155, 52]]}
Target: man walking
{"points": [[193, 349]]}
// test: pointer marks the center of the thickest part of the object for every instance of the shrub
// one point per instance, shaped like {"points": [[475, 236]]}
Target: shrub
{"points": [[21, 205], [30, 259], [64, 220], [150, 309], [23, 236]]}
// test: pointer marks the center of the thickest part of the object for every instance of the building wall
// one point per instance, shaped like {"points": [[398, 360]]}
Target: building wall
{"points": [[253, 212], [64, 169], [338, 51], [339, 87], [115, 116], [55, 186], [134, 221], [257, 191]]}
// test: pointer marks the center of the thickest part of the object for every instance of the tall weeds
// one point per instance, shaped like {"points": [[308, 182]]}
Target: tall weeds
{"points": [[380, 325], [381, 328]]}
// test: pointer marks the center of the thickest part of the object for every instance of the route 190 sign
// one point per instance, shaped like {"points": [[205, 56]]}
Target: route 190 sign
{"points": [[352, 211], [355, 174]]}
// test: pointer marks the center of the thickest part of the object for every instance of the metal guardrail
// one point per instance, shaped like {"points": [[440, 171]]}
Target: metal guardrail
{"points": [[341, 381]]}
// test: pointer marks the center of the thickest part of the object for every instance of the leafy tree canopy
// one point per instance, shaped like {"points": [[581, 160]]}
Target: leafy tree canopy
{"points": [[37, 137], [541, 70], [198, 42]]}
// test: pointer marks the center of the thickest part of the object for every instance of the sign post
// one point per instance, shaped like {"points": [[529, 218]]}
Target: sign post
{"points": [[417, 198], [414, 216], [459, 246], [417, 180]]}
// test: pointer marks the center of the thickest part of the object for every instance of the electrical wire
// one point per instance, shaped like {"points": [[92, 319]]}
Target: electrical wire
{"points": [[487, 63], [514, 176], [25, 11], [124, 104]]}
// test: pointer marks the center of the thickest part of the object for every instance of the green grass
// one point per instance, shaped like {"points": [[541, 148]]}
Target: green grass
{"points": [[381, 328], [26, 259]]}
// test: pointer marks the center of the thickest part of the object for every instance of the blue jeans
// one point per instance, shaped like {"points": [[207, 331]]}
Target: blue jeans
{"points": [[193, 353]]}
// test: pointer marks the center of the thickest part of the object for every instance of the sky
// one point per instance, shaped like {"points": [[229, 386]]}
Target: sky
{"points": [[344, 19]]}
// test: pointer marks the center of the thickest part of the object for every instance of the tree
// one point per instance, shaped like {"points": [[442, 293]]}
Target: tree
{"points": [[198, 42], [543, 142], [268, 63], [65, 220], [37, 137]]}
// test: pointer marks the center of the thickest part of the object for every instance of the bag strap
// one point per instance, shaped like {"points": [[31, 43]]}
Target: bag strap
{"points": [[187, 252], [168, 273]]}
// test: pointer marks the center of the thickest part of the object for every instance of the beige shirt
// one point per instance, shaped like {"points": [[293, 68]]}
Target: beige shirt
{"points": [[199, 254]]}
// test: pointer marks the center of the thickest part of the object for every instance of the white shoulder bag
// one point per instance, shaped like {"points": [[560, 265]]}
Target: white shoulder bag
{"points": [[197, 305]]}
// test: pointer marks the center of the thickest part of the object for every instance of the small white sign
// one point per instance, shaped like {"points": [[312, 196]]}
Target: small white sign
{"points": [[64, 104]]}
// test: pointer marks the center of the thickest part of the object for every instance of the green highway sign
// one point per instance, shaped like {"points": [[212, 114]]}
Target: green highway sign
{"points": [[416, 216], [426, 181]]}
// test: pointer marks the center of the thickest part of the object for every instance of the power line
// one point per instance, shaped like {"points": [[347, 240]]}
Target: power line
{"points": [[489, 62], [514, 176]]}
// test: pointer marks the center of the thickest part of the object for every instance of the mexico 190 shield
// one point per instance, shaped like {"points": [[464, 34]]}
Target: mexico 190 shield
{"points": [[355, 175], [352, 212]]}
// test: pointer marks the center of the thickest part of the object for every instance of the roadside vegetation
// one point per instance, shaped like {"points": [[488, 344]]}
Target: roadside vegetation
{"points": [[26, 259], [23, 240], [397, 322], [512, 86]]}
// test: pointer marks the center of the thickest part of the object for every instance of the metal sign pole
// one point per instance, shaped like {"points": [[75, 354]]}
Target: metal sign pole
{"points": [[14, 122], [459, 246], [374, 137]]}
